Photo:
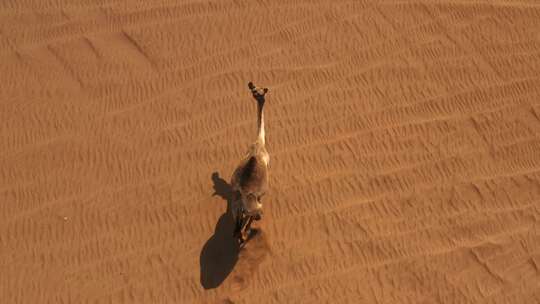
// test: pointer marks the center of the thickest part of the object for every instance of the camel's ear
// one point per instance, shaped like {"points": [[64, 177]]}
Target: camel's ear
{"points": [[265, 90], [251, 86]]}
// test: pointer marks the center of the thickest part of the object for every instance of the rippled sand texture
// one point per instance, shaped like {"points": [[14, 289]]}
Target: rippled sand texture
{"points": [[404, 142]]}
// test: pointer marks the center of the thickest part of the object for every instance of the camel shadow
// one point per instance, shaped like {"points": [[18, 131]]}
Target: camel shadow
{"points": [[220, 253]]}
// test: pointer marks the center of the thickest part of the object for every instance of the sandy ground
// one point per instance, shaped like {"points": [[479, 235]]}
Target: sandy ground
{"points": [[404, 142]]}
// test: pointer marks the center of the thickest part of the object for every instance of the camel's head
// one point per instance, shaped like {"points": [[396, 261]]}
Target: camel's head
{"points": [[258, 93]]}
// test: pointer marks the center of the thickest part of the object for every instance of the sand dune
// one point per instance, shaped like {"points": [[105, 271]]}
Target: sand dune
{"points": [[404, 143]]}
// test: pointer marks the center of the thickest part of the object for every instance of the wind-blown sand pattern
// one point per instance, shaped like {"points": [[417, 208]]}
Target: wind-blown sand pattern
{"points": [[404, 141]]}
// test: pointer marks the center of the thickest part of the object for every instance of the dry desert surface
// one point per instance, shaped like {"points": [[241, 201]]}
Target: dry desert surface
{"points": [[404, 139]]}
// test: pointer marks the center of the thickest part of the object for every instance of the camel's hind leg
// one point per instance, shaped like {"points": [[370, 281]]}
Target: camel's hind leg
{"points": [[245, 232], [239, 224], [238, 216]]}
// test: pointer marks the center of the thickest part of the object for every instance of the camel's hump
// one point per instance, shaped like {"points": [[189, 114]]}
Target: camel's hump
{"points": [[252, 176]]}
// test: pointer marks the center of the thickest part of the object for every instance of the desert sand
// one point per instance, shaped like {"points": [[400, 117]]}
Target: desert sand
{"points": [[404, 140]]}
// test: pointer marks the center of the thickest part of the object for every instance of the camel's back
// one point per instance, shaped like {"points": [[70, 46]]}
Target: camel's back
{"points": [[251, 176]]}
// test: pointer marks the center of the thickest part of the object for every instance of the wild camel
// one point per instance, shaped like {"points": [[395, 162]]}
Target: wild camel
{"points": [[250, 179]]}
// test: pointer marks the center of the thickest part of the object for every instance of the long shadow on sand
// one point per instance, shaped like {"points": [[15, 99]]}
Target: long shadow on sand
{"points": [[220, 253]]}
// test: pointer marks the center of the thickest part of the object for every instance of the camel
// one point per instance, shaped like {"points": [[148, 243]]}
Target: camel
{"points": [[250, 179]]}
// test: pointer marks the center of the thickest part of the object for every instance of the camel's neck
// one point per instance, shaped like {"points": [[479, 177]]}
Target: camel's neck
{"points": [[260, 122]]}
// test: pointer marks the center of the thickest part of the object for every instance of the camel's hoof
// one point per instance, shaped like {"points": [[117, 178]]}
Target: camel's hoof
{"points": [[252, 232], [237, 233], [242, 242]]}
